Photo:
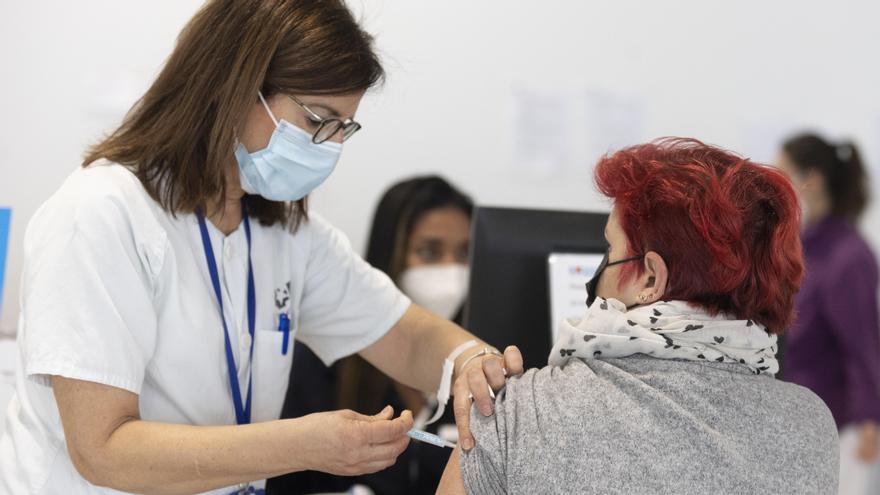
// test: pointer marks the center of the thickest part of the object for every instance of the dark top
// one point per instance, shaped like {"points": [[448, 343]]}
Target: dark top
{"points": [[834, 346], [312, 389]]}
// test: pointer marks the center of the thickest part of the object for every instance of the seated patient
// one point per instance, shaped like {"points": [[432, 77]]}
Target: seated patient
{"points": [[667, 383]]}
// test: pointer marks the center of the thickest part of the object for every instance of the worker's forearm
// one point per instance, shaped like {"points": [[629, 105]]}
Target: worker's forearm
{"points": [[413, 350], [161, 458], [435, 340]]}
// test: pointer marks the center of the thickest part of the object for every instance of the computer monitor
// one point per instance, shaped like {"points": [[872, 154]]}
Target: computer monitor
{"points": [[512, 254]]}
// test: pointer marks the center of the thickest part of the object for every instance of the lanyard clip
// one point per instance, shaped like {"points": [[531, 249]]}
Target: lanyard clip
{"points": [[284, 326]]}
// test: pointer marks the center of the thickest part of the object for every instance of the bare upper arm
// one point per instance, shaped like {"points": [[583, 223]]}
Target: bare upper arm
{"points": [[90, 412], [452, 482]]}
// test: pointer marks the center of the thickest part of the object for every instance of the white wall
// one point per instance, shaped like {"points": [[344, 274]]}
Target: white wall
{"points": [[473, 88], [8, 361]]}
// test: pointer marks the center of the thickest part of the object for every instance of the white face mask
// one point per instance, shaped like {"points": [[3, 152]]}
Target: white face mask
{"points": [[441, 289]]}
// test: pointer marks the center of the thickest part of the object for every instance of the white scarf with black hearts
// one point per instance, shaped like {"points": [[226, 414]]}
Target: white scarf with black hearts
{"points": [[665, 330]]}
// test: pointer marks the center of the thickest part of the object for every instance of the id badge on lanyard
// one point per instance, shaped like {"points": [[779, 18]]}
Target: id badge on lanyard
{"points": [[242, 407]]}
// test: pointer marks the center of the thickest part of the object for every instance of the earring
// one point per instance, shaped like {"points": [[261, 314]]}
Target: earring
{"points": [[643, 298]]}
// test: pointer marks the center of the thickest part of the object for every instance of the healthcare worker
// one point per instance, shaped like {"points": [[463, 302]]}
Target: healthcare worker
{"points": [[165, 280]]}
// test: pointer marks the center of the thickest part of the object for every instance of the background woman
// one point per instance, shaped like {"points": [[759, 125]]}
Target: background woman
{"points": [[419, 237], [834, 346]]}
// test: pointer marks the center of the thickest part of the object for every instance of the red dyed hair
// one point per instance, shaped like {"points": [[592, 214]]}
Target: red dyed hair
{"points": [[727, 228]]}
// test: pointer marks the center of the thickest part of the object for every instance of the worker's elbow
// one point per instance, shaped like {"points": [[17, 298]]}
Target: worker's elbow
{"points": [[91, 465]]}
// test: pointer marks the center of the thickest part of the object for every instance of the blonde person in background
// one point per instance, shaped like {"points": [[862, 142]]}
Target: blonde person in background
{"points": [[164, 281], [834, 346]]}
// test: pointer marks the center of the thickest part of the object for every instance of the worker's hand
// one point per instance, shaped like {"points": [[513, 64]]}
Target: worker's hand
{"points": [[472, 384], [868, 442], [347, 443]]}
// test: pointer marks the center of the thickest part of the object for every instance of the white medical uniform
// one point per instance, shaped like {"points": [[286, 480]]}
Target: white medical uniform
{"points": [[115, 290]]}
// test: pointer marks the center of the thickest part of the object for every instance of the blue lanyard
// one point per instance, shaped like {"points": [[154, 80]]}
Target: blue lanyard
{"points": [[242, 412]]}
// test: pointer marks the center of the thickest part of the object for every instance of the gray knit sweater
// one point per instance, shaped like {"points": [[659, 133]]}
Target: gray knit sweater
{"points": [[643, 425]]}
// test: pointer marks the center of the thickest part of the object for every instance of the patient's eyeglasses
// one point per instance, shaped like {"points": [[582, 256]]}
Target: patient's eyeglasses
{"points": [[592, 285]]}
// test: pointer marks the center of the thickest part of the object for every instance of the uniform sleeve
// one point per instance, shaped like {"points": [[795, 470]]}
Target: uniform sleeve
{"points": [[850, 296], [86, 295], [347, 304], [484, 468]]}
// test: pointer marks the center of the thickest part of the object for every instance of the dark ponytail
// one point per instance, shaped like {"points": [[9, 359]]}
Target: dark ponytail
{"points": [[840, 166]]}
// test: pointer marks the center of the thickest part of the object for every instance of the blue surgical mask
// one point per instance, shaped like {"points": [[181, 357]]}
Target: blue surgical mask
{"points": [[290, 167]]}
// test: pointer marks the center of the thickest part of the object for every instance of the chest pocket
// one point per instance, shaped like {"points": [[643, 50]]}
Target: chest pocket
{"points": [[271, 371], [273, 355]]}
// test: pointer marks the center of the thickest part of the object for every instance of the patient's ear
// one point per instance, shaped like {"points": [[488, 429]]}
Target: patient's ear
{"points": [[655, 277]]}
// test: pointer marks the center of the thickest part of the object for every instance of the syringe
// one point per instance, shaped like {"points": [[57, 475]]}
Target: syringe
{"points": [[424, 436]]}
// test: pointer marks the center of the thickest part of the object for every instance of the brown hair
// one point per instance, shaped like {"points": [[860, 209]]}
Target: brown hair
{"points": [[360, 385], [840, 165], [179, 137]]}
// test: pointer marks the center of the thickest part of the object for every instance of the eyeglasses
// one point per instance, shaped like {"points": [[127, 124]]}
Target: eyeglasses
{"points": [[327, 127], [605, 263], [593, 284]]}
